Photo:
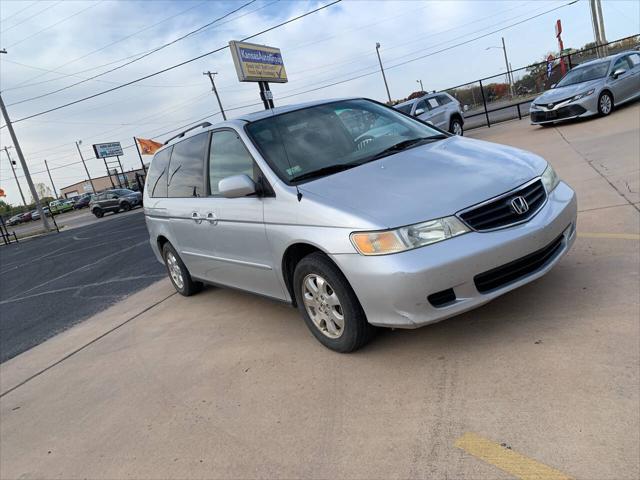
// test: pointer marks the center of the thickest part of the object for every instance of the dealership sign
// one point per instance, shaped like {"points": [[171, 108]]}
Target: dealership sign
{"points": [[106, 150], [257, 63]]}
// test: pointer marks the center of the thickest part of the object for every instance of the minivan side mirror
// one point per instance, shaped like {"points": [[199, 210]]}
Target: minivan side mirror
{"points": [[419, 111], [618, 72], [236, 186]]}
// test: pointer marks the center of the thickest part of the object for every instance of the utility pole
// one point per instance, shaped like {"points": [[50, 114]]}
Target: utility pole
{"points": [[25, 169], [598, 28], [506, 62], [215, 90], [13, 169], [55, 192], [421, 87], [93, 187], [382, 70]]}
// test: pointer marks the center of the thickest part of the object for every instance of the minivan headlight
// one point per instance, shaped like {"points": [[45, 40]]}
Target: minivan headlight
{"points": [[407, 238], [550, 178]]}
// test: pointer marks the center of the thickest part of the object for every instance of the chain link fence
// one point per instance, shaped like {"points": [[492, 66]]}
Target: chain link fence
{"points": [[496, 99]]}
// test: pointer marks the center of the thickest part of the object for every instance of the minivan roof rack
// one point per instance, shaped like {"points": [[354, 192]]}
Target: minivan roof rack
{"points": [[181, 134]]}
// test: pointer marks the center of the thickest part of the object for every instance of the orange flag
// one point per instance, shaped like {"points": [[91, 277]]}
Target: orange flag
{"points": [[2, 194], [148, 147]]}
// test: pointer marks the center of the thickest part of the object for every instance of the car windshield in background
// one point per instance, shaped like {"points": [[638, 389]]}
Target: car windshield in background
{"points": [[331, 137], [584, 74], [405, 108]]}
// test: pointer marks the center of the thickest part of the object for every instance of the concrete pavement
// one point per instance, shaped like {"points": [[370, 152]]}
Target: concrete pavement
{"points": [[229, 385]]}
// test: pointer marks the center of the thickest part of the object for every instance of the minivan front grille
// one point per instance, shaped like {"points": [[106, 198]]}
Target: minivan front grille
{"points": [[512, 271], [508, 209]]}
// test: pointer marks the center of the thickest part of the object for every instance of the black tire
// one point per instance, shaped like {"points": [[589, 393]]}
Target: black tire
{"points": [[456, 122], [125, 206], [602, 110], [356, 331], [189, 286], [98, 212]]}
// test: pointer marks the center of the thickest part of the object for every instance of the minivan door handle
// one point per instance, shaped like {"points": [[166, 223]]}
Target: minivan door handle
{"points": [[195, 216], [212, 219]]}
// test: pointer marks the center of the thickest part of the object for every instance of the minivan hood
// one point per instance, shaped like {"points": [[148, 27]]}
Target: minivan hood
{"points": [[562, 93], [427, 182]]}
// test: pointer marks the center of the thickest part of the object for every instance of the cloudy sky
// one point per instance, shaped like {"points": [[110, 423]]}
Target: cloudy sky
{"points": [[54, 44]]}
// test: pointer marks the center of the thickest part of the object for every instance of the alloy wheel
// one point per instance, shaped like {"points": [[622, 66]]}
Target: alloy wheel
{"points": [[605, 104], [457, 128], [174, 270], [323, 305]]}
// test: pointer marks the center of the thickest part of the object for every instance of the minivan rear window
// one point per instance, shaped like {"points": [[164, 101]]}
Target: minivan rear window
{"points": [[156, 183]]}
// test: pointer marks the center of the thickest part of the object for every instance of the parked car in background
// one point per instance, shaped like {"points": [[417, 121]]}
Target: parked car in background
{"points": [[15, 220], [35, 215], [60, 206], [391, 224], [591, 88], [114, 201], [439, 109], [26, 217], [83, 201]]}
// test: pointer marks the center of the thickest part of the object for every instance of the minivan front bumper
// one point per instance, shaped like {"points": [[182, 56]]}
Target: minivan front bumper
{"points": [[394, 289]]}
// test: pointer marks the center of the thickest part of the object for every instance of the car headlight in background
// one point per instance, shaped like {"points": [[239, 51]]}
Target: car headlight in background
{"points": [[550, 178], [582, 95], [407, 238]]}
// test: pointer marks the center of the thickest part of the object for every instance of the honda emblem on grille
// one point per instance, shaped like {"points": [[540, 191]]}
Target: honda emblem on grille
{"points": [[519, 205]]}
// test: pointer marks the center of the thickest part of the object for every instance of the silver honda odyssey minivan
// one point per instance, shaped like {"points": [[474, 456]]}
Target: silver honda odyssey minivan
{"points": [[355, 213]]}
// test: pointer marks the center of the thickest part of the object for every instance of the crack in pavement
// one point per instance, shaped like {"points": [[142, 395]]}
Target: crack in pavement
{"points": [[590, 163]]}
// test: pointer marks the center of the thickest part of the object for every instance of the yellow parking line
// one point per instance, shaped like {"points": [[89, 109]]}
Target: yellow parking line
{"points": [[619, 236], [506, 459]]}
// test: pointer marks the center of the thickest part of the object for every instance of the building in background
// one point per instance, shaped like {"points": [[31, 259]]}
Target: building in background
{"points": [[133, 179]]}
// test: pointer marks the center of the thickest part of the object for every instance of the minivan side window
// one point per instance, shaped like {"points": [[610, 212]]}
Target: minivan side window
{"points": [[157, 177], [228, 156], [186, 169]]}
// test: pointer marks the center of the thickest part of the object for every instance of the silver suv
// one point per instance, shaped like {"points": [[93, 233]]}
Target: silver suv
{"points": [[355, 213], [439, 109]]}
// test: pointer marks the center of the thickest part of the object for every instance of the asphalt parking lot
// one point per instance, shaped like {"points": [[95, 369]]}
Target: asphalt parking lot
{"points": [[542, 383], [54, 281]]}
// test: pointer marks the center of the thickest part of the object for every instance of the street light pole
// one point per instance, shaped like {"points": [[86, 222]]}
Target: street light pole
{"points": [[13, 169], [421, 87], [382, 71], [506, 63], [93, 187], [215, 90]]}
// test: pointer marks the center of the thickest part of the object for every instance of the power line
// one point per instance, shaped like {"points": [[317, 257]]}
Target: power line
{"points": [[135, 59], [172, 67], [148, 27], [34, 15], [18, 12], [54, 24]]}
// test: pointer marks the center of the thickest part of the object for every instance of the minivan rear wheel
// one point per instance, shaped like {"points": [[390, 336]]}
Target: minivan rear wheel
{"points": [[329, 306], [178, 273]]}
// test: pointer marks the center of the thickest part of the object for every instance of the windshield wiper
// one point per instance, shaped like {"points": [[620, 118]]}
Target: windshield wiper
{"points": [[405, 144], [321, 172]]}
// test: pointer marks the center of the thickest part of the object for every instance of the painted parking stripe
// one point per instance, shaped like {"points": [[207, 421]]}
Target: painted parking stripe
{"points": [[618, 236], [506, 459]]}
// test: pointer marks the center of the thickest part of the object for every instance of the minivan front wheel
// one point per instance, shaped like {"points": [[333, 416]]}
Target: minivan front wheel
{"points": [[178, 273], [329, 306]]}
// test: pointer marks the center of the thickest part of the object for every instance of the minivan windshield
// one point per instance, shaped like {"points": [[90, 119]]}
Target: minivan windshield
{"points": [[331, 137], [584, 74]]}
